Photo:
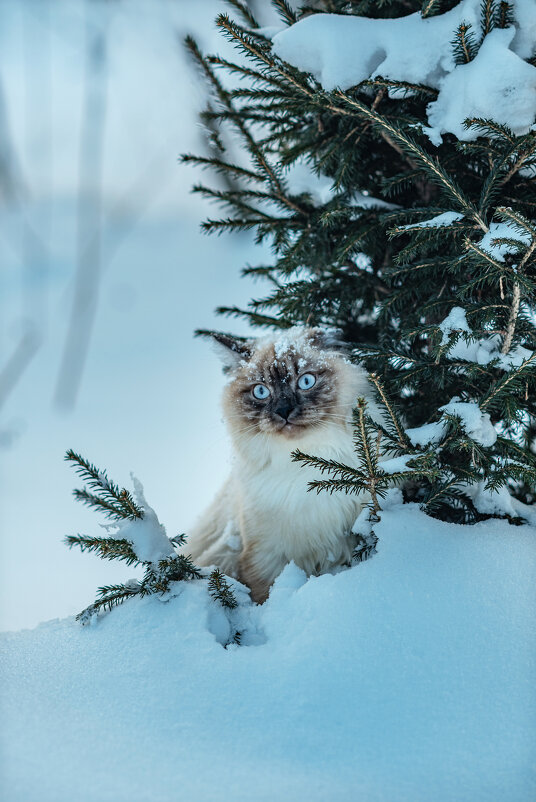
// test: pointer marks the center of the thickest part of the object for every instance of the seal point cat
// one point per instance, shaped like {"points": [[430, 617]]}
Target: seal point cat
{"points": [[293, 390]]}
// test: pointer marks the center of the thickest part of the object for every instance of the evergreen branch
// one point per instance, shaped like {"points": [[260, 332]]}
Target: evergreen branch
{"points": [[514, 311], [488, 11], [430, 8], [220, 590], [245, 11], [507, 214], [464, 44], [108, 548], [505, 15], [490, 127], [498, 389], [408, 145], [403, 439], [246, 72], [365, 548], [117, 501], [223, 167], [225, 23], [407, 86], [255, 151], [471, 246], [366, 453], [358, 485], [338, 469], [286, 13], [503, 169], [109, 509], [110, 596], [450, 488], [255, 318], [516, 299]]}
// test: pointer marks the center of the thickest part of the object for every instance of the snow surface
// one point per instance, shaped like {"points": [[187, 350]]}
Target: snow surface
{"points": [[405, 679], [342, 51]]}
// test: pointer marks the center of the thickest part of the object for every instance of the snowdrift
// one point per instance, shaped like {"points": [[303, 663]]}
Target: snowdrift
{"points": [[408, 677]]}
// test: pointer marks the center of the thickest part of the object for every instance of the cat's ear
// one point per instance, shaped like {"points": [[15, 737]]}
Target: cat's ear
{"points": [[328, 339], [231, 350]]}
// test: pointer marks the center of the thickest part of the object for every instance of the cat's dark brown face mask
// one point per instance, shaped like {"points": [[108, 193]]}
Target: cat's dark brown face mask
{"points": [[287, 394], [283, 390]]}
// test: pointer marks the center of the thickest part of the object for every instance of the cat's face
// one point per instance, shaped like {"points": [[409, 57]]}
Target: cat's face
{"points": [[284, 387]]}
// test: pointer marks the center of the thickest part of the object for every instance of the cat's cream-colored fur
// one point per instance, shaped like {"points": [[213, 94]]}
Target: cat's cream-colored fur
{"points": [[264, 516]]}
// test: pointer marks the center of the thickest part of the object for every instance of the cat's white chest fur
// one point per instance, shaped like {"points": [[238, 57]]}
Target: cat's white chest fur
{"points": [[281, 520]]}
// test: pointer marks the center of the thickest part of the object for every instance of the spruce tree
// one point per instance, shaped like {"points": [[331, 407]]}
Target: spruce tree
{"points": [[423, 253]]}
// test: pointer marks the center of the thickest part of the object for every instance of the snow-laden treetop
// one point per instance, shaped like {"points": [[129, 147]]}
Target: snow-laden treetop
{"points": [[342, 51]]}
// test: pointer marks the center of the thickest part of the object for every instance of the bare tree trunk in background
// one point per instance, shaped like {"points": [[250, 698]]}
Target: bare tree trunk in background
{"points": [[89, 261], [9, 174]]}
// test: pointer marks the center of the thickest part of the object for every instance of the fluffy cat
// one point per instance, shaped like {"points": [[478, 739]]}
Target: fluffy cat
{"points": [[295, 390]]}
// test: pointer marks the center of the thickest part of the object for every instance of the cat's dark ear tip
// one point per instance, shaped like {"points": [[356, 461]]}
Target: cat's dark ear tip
{"points": [[230, 348], [329, 338]]}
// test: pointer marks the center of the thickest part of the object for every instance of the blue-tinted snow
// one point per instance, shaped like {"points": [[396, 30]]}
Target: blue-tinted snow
{"points": [[407, 678]]}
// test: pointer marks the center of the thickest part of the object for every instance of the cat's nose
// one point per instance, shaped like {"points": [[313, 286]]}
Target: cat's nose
{"points": [[284, 409]]}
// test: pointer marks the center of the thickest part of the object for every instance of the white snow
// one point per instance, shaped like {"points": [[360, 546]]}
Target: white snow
{"points": [[408, 678], [503, 231], [486, 349], [497, 85], [147, 535], [497, 502], [444, 219], [456, 320], [477, 424], [483, 350], [342, 51], [427, 433], [525, 39], [397, 464]]}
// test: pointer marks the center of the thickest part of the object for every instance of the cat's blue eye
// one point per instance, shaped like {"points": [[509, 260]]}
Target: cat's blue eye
{"points": [[306, 381], [261, 392]]}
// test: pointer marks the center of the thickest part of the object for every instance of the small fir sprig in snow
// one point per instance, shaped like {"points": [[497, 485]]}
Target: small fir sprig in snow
{"points": [[115, 502], [139, 539], [220, 590]]}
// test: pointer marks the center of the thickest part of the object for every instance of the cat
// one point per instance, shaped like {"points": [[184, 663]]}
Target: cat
{"points": [[293, 390]]}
